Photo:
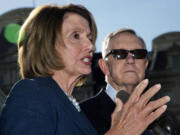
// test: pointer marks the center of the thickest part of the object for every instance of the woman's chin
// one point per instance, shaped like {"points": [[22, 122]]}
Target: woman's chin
{"points": [[86, 71]]}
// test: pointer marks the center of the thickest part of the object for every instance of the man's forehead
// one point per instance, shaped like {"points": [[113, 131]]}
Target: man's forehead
{"points": [[124, 39]]}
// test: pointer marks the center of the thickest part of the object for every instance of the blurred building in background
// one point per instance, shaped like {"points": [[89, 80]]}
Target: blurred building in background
{"points": [[10, 24], [164, 65], [164, 68]]}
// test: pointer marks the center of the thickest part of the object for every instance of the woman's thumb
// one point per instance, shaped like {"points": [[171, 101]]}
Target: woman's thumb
{"points": [[119, 105]]}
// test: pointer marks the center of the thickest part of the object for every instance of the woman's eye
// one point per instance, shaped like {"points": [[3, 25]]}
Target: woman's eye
{"points": [[90, 39], [76, 36]]}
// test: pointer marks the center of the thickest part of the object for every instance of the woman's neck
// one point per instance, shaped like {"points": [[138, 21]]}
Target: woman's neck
{"points": [[66, 81]]}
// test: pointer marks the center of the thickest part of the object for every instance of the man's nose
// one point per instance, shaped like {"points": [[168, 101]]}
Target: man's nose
{"points": [[130, 59]]}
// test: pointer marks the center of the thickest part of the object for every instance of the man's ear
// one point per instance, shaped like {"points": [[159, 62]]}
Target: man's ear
{"points": [[146, 63], [103, 66]]}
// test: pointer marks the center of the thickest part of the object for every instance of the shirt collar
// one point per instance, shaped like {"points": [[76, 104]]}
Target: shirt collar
{"points": [[111, 92]]}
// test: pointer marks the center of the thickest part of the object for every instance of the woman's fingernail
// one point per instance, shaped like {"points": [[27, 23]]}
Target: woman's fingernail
{"points": [[167, 98], [146, 81], [115, 99], [164, 107], [158, 86]]}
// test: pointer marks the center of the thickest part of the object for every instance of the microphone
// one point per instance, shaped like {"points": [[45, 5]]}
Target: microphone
{"points": [[123, 95]]}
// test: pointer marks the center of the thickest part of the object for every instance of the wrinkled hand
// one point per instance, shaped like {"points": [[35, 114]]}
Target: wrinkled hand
{"points": [[138, 112]]}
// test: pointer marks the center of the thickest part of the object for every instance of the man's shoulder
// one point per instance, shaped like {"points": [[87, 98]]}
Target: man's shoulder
{"points": [[98, 102], [93, 100], [98, 110]]}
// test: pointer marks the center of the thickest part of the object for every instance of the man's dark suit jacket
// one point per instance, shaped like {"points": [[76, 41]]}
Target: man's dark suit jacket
{"points": [[99, 108], [40, 107]]}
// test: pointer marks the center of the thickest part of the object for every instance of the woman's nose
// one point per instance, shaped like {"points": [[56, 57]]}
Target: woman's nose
{"points": [[89, 45]]}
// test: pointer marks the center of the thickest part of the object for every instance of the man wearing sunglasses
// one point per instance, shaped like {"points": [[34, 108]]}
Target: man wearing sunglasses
{"points": [[124, 61]]}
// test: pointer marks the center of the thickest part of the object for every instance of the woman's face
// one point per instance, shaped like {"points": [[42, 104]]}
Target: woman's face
{"points": [[77, 50]]}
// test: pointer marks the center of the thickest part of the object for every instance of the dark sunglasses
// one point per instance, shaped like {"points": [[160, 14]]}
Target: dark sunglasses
{"points": [[122, 53]]}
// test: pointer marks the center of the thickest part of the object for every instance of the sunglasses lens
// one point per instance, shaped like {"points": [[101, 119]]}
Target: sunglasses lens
{"points": [[139, 53], [120, 54]]}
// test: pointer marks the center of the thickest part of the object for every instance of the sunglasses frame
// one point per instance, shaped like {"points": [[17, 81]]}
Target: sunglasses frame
{"points": [[114, 51]]}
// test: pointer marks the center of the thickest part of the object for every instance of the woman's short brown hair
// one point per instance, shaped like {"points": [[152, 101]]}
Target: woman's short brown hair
{"points": [[36, 47]]}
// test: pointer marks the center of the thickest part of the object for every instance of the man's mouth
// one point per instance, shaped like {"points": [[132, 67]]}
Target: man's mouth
{"points": [[130, 71]]}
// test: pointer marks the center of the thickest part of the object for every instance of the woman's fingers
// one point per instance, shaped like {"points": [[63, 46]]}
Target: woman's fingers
{"points": [[136, 93], [155, 114], [119, 105], [154, 105], [133, 99], [138, 112], [117, 111], [148, 95]]}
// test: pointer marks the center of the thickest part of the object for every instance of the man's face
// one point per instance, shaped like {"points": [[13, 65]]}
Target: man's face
{"points": [[124, 72]]}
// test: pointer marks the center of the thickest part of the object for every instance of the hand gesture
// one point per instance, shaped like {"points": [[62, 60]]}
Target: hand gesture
{"points": [[133, 117]]}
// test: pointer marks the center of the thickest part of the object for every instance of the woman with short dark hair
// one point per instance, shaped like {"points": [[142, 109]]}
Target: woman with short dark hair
{"points": [[55, 51]]}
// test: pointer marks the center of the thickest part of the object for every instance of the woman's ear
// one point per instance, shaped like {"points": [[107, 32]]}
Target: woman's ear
{"points": [[103, 66]]}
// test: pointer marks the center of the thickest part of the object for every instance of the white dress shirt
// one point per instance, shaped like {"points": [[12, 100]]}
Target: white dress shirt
{"points": [[111, 92]]}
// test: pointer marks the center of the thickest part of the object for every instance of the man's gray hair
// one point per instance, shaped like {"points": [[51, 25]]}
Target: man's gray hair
{"points": [[108, 38]]}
